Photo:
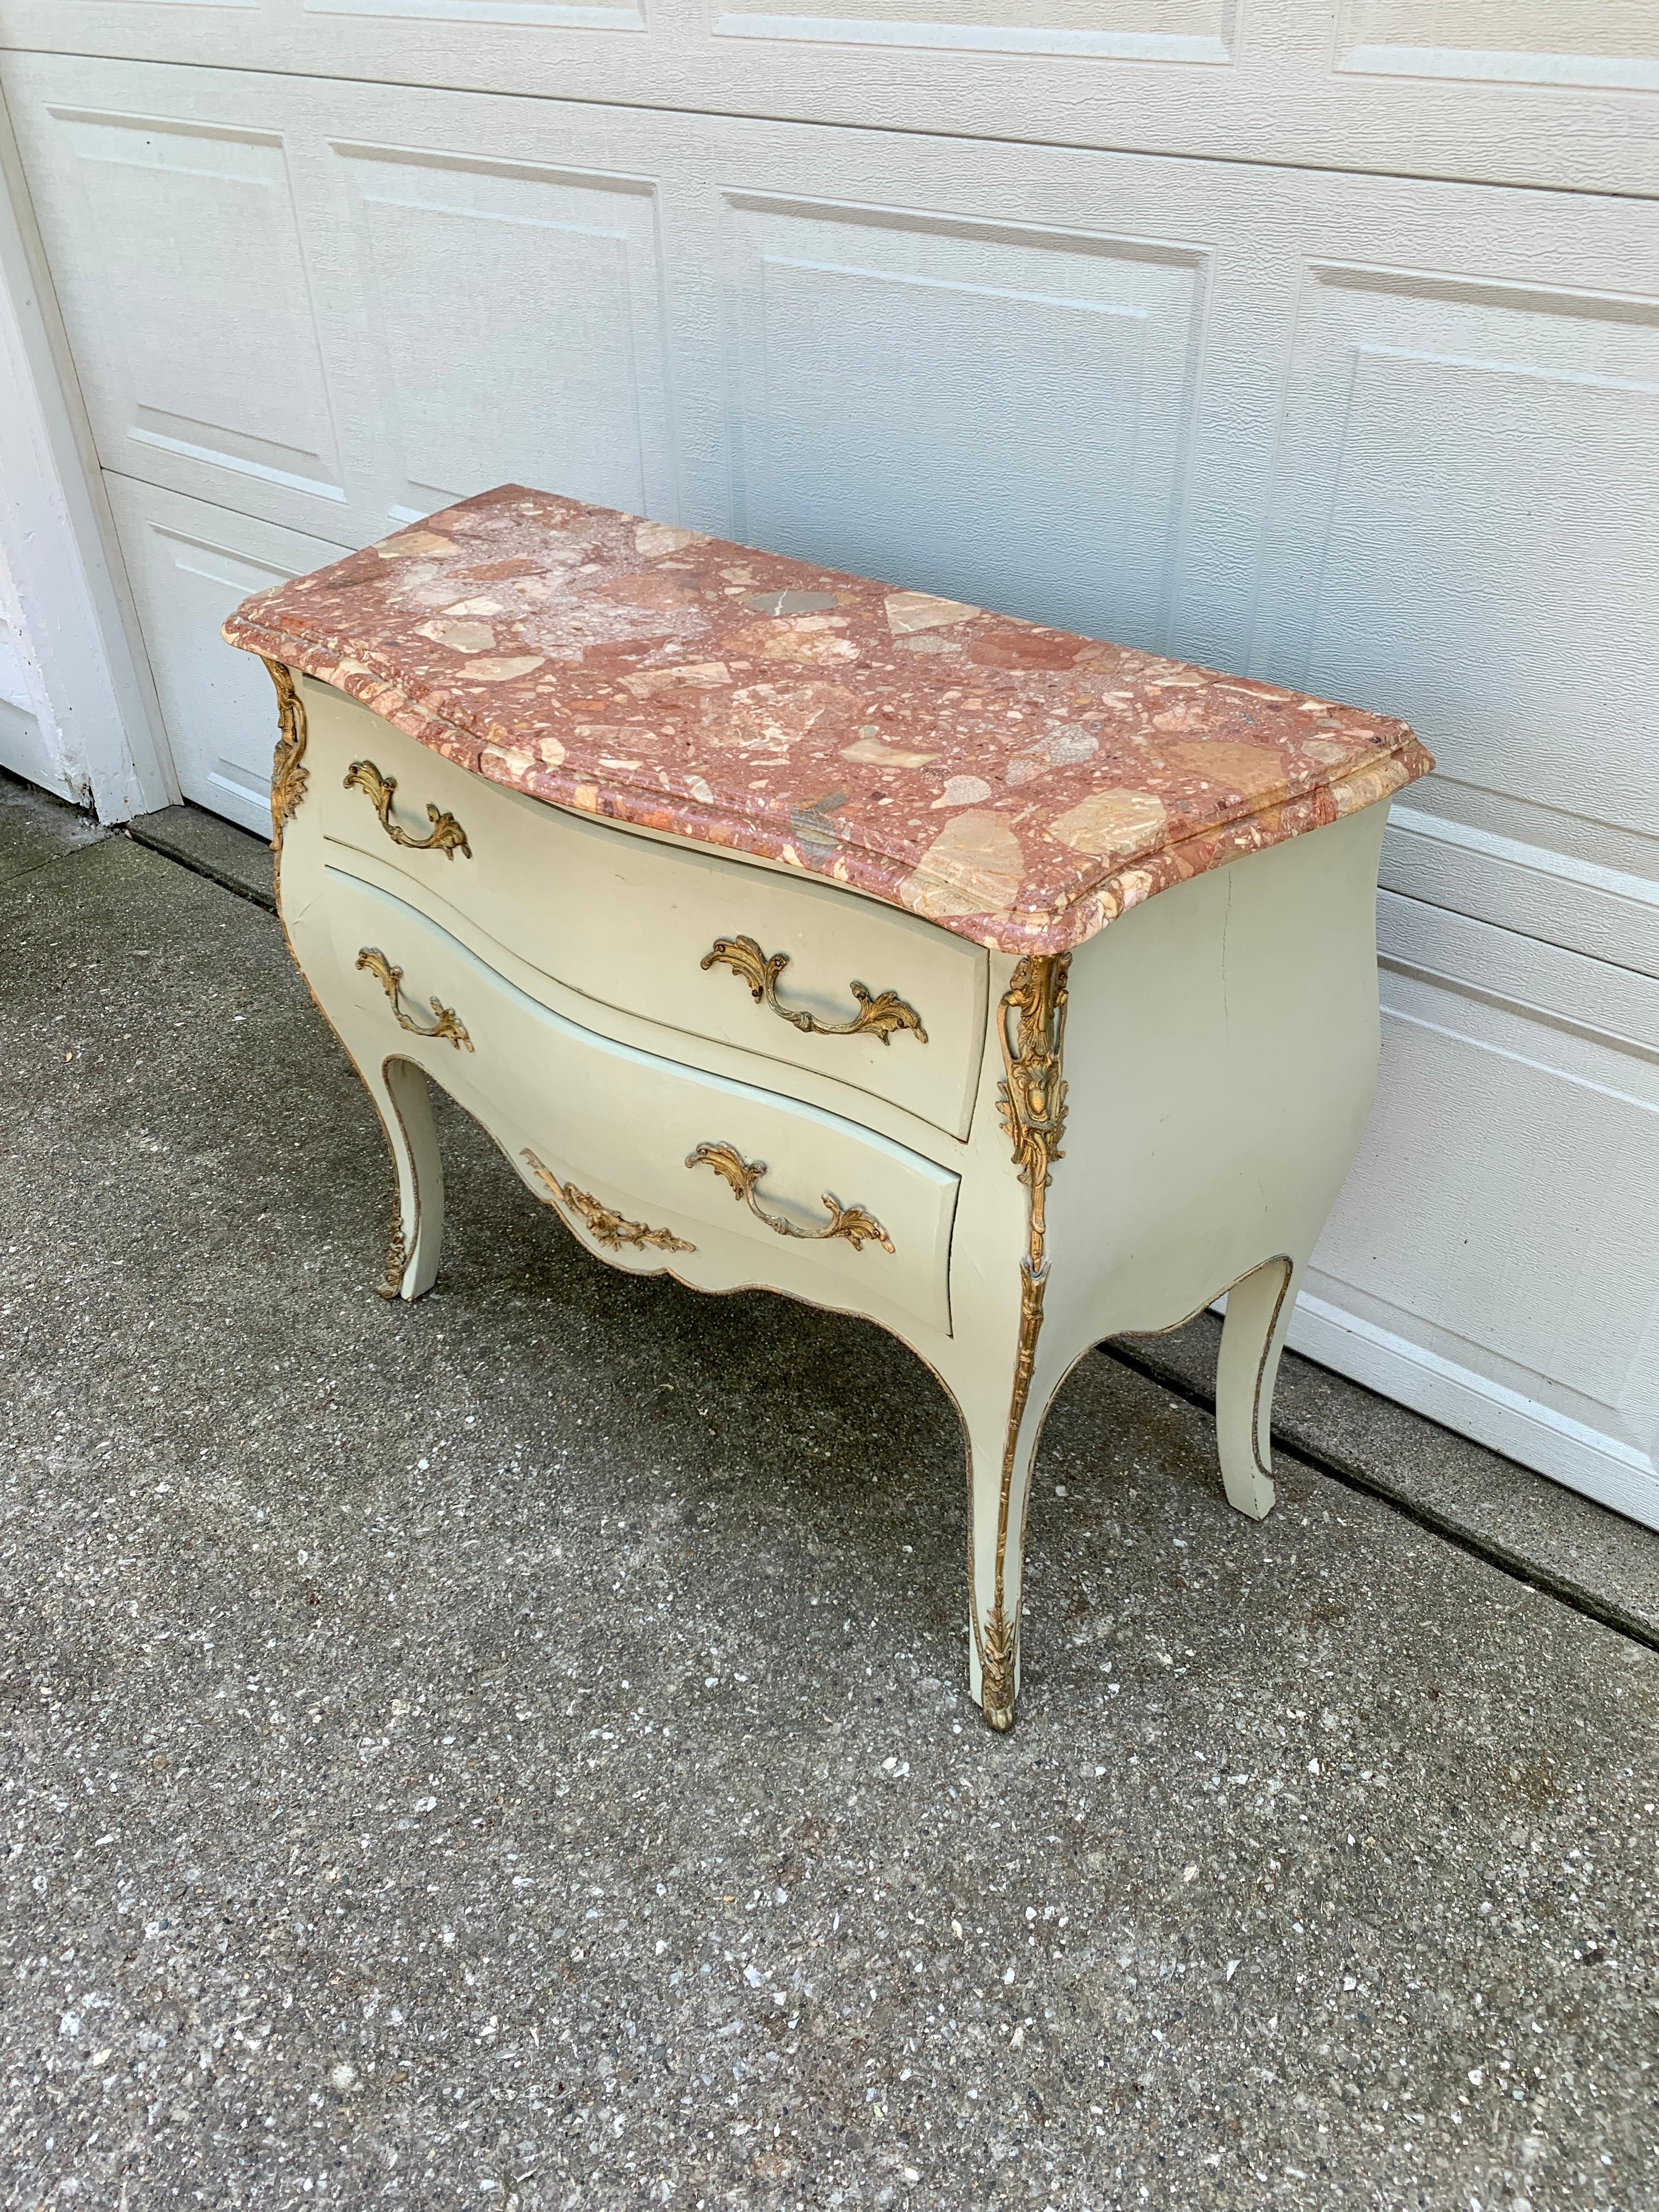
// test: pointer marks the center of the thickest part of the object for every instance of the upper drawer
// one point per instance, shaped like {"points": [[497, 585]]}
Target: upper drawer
{"points": [[630, 920]]}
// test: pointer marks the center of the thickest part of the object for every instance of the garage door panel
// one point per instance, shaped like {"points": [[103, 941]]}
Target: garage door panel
{"points": [[558, 276], [182, 233], [1504, 1280], [1603, 913], [1566, 94], [1117, 30], [1596, 1001], [189, 564], [1466, 522], [1036, 466], [472, 290], [1613, 45], [507, 14], [1540, 1304]]}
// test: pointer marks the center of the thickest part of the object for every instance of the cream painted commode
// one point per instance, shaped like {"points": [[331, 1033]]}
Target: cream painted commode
{"points": [[1010, 989]]}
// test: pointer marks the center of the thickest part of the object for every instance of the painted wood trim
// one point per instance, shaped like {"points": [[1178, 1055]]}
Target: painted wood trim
{"points": [[99, 721]]}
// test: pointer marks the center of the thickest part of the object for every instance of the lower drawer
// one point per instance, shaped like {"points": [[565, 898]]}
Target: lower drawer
{"points": [[625, 1141]]}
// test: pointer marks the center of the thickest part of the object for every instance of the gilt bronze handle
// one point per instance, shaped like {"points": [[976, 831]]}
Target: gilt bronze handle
{"points": [[879, 1015], [390, 979], [446, 834], [855, 1223]]}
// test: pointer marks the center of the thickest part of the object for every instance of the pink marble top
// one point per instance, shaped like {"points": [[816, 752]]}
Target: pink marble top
{"points": [[1020, 786]]}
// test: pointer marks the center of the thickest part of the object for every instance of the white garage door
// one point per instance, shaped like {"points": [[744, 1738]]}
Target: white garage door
{"points": [[1341, 366]]}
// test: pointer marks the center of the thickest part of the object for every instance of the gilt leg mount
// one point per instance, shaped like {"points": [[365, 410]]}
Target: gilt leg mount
{"points": [[1031, 1102], [391, 1284]]}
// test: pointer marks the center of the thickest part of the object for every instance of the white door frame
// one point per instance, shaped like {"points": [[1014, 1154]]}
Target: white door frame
{"points": [[100, 739]]}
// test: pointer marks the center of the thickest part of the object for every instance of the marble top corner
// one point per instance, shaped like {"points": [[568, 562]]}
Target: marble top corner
{"points": [[1019, 784]]}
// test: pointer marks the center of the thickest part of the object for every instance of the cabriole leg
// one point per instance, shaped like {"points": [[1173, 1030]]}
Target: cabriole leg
{"points": [[404, 1104], [1257, 1313]]}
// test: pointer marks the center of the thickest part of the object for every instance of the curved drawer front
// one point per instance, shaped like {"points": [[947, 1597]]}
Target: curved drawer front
{"points": [[623, 1141], [809, 976]]}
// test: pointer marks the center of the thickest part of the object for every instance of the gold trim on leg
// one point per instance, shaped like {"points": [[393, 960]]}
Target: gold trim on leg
{"points": [[1031, 1100], [391, 1284]]}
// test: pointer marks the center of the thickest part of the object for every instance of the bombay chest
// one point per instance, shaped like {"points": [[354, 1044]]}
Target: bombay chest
{"points": [[1010, 988]]}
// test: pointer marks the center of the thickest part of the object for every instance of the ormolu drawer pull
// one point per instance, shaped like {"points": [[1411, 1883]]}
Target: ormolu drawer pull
{"points": [[603, 1223], [855, 1223], [447, 836], [878, 1014], [390, 980]]}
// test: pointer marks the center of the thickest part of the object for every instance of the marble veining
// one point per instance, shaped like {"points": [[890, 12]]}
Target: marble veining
{"points": [[1018, 785]]}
